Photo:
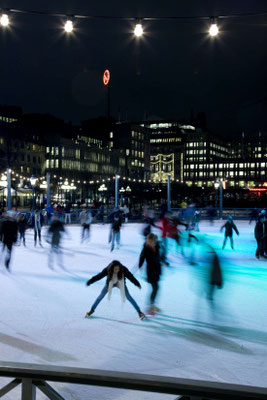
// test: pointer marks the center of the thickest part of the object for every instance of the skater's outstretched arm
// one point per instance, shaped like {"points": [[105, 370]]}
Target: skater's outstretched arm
{"points": [[97, 277], [131, 278], [222, 227], [142, 258], [235, 228]]}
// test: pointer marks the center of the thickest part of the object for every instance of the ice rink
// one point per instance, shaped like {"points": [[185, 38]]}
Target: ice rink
{"points": [[42, 312]]}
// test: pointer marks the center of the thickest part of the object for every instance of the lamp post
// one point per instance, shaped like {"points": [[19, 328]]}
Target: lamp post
{"points": [[216, 186], [221, 198], [117, 191], [33, 181], [169, 193]]}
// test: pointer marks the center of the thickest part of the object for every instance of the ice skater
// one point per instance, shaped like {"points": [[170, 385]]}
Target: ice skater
{"points": [[151, 255], [229, 226], [116, 230], [86, 220], [56, 230], [260, 233], [37, 223], [9, 236], [22, 226], [116, 275]]}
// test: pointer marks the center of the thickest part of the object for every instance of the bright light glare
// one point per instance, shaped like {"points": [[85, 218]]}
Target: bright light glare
{"points": [[68, 26], [4, 20], [138, 30], [214, 30]]}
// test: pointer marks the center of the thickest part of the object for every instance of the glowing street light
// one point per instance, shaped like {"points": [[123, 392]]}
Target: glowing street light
{"points": [[138, 30], [68, 26], [4, 20], [214, 30]]}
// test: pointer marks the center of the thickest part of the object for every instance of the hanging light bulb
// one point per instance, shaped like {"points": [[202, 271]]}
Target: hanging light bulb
{"points": [[214, 30], [4, 20], [138, 30], [68, 26]]}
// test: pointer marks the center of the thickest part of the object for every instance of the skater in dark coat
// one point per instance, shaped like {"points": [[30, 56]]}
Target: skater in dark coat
{"points": [[56, 230], [116, 275], [215, 278], [229, 226], [9, 236], [22, 226], [151, 254], [260, 233], [116, 227]]}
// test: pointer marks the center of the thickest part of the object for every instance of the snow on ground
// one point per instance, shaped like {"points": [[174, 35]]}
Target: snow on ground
{"points": [[42, 313]]}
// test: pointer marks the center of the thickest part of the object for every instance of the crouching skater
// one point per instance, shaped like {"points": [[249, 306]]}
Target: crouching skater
{"points": [[116, 275]]}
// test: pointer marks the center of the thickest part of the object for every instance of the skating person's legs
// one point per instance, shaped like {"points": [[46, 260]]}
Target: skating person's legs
{"points": [[35, 236], [260, 249], [39, 236], [131, 300], [8, 257], [112, 241], [118, 239], [224, 242], [232, 242], [155, 288], [100, 297]]}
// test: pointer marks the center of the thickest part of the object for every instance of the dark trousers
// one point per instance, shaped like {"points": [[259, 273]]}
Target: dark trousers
{"points": [[37, 232], [22, 236], [105, 291], [85, 231], [231, 241], [260, 247], [9, 251], [155, 288]]}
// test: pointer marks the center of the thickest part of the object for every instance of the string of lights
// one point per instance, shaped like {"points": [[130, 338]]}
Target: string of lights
{"points": [[61, 180], [138, 30]]}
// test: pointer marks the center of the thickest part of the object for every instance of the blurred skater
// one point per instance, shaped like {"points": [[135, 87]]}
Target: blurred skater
{"points": [[196, 221], [56, 231], [229, 226], [116, 230], [260, 233], [37, 223], [86, 220], [151, 254], [116, 275], [9, 235], [22, 226]]}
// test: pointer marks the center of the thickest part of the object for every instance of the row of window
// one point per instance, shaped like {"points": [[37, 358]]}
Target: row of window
{"points": [[226, 174], [166, 140], [29, 158], [138, 135], [137, 163], [226, 166]]}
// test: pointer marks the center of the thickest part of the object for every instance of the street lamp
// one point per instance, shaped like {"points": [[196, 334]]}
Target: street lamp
{"points": [[33, 181], [216, 186], [219, 184]]}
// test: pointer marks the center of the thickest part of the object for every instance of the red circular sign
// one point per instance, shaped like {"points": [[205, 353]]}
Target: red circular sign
{"points": [[106, 77]]}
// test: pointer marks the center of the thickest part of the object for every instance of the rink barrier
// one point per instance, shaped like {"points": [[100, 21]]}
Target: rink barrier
{"points": [[34, 376]]}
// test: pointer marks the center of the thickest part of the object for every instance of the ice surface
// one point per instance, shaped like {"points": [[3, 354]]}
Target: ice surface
{"points": [[42, 313]]}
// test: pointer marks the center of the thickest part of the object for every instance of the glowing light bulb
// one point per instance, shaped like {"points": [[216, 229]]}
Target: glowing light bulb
{"points": [[214, 30], [4, 20], [138, 30], [68, 26]]}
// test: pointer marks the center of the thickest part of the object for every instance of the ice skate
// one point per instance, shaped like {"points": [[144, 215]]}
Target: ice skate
{"points": [[151, 311], [89, 313], [156, 309], [141, 315]]}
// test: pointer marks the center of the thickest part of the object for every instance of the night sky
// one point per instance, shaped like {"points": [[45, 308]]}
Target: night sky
{"points": [[175, 69]]}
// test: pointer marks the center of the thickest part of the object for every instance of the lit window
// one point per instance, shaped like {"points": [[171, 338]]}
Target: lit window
{"points": [[47, 149], [111, 135], [56, 165], [127, 152], [47, 164]]}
